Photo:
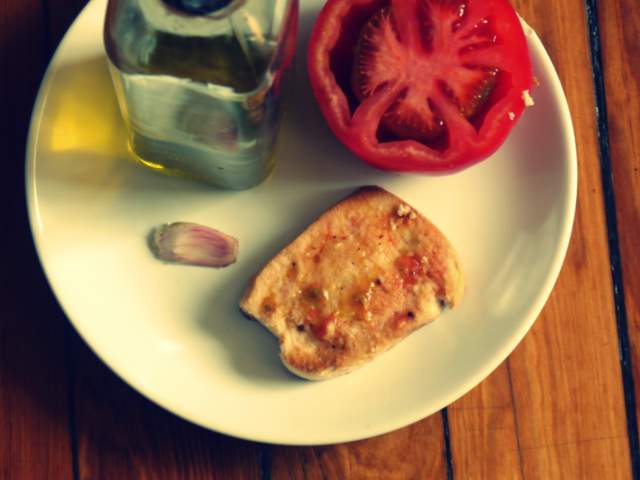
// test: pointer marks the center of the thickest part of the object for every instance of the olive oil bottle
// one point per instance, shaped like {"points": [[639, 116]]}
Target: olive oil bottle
{"points": [[199, 83]]}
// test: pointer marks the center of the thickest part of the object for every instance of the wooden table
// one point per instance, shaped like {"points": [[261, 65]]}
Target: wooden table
{"points": [[562, 406]]}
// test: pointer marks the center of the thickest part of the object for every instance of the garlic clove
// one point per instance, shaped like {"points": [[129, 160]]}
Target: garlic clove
{"points": [[193, 244]]}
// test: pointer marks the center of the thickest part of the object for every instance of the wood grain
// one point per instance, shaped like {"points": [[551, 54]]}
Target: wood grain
{"points": [[620, 34], [484, 433], [121, 435], [34, 440], [566, 374], [415, 452], [558, 410]]}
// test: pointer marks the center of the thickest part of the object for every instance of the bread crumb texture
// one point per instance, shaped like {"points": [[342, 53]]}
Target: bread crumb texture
{"points": [[362, 277]]}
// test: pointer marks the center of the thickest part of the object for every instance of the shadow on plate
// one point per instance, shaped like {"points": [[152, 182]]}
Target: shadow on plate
{"points": [[306, 137]]}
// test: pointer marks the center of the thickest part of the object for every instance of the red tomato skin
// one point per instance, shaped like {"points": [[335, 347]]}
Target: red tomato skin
{"points": [[466, 148]]}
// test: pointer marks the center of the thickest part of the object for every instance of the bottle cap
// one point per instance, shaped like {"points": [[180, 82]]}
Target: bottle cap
{"points": [[198, 7]]}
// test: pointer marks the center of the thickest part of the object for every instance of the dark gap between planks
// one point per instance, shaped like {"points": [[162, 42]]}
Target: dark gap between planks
{"points": [[264, 459], [612, 231], [447, 443], [515, 418]]}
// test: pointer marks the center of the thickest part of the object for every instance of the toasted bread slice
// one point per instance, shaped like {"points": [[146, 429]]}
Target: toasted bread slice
{"points": [[362, 277]]}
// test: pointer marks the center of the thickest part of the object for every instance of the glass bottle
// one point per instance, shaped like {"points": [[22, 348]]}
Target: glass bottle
{"points": [[199, 83]]}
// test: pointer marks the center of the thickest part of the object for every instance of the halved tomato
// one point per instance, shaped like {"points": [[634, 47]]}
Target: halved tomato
{"points": [[420, 85]]}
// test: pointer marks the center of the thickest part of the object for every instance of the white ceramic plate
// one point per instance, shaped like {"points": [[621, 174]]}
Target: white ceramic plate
{"points": [[175, 333]]}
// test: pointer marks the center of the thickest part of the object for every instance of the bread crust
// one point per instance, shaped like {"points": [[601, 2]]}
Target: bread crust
{"points": [[367, 273]]}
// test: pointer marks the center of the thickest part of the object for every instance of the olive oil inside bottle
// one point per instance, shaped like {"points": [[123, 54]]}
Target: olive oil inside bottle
{"points": [[206, 107]]}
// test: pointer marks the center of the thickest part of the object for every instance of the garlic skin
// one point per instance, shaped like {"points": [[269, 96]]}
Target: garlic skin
{"points": [[193, 244]]}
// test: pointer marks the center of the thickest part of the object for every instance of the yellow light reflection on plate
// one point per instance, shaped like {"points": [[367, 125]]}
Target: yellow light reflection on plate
{"points": [[85, 111]]}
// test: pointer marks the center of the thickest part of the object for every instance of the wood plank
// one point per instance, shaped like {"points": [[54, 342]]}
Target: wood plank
{"points": [[558, 420], [620, 31], [566, 375], [568, 460], [484, 436], [568, 393], [123, 435], [34, 435], [414, 452]]}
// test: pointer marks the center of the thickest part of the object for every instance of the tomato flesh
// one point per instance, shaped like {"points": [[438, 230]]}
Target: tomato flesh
{"points": [[420, 85], [379, 59]]}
